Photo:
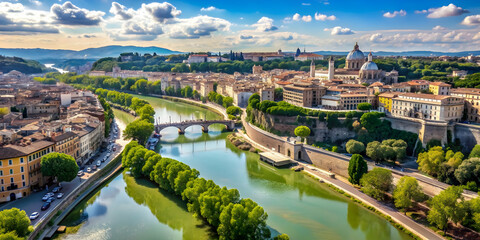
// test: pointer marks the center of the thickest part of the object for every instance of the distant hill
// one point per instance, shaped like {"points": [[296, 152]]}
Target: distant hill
{"points": [[41, 54], [409, 53], [8, 64]]}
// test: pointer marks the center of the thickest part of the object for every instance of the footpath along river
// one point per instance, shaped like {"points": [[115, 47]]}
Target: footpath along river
{"points": [[128, 208]]}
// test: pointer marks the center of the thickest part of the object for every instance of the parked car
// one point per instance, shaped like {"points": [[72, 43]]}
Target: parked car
{"points": [[60, 195], [45, 198], [80, 173], [34, 215], [108, 155], [45, 206], [50, 199], [114, 149], [94, 167], [57, 189], [99, 163], [89, 170], [104, 159]]}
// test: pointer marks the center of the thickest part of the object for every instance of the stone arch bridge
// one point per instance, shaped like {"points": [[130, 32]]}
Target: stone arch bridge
{"points": [[229, 124]]}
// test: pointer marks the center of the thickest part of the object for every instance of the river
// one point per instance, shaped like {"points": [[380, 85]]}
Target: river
{"points": [[128, 208]]}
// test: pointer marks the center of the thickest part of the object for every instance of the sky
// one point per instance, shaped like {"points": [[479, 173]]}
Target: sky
{"points": [[246, 25]]}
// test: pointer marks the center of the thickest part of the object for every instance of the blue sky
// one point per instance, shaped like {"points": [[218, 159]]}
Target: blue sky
{"points": [[247, 25]]}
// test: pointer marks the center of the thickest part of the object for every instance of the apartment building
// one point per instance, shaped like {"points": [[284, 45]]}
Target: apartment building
{"points": [[385, 101], [439, 88], [472, 102], [303, 94], [428, 107], [20, 171], [68, 143]]}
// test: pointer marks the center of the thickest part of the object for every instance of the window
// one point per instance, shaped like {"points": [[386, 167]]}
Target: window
{"points": [[23, 177], [21, 169], [11, 180], [1, 163], [1, 173], [10, 162], [23, 183], [21, 160], [11, 171]]}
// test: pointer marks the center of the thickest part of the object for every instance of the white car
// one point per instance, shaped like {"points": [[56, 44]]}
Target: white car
{"points": [[108, 155], [34, 216], [80, 173], [89, 170], [60, 195], [99, 163], [104, 159]]}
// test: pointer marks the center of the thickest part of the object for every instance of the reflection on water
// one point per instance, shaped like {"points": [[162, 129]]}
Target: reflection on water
{"points": [[298, 205]]}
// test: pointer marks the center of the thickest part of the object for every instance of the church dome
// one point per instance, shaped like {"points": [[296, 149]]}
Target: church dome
{"points": [[355, 55], [369, 66]]}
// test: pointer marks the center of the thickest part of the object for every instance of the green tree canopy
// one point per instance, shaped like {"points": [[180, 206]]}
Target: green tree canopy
{"points": [[406, 191], [469, 170], [364, 106], [233, 110], [302, 131], [138, 130], [16, 221], [355, 147], [475, 153], [357, 167], [59, 165], [447, 206], [429, 162], [376, 182]]}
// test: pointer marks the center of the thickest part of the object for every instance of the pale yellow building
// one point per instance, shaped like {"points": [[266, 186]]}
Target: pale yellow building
{"points": [[303, 94], [439, 88], [428, 107], [472, 102], [20, 171]]}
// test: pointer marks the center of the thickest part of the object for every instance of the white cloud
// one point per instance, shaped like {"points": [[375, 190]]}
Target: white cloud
{"points": [[477, 36], [15, 19], [161, 12], [208, 9], [11, 7], [323, 17], [471, 20], [438, 28], [196, 27], [264, 24], [307, 18], [306, 4], [298, 17], [69, 14], [36, 2], [446, 11], [395, 13], [420, 11], [339, 31], [121, 11]]}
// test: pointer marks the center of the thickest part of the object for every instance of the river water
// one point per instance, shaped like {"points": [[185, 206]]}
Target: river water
{"points": [[128, 208]]}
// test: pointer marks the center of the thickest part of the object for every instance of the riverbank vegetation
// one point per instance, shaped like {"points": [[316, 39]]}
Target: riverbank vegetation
{"points": [[14, 224], [445, 210], [222, 208]]}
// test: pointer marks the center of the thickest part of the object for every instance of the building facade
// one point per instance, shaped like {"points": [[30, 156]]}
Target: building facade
{"points": [[428, 107]]}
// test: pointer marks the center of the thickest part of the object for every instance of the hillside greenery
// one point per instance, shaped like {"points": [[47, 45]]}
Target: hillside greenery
{"points": [[8, 64]]}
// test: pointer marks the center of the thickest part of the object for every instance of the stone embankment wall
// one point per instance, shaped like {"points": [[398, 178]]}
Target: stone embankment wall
{"points": [[468, 134], [286, 125]]}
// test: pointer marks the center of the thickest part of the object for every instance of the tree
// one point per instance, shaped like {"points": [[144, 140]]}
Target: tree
{"points": [[357, 167], [59, 165], [16, 221], [364, 106], [475, 153], [227, 102], [138, 130], [429, 162], [468, 171], [302, 131], [354, 147], [373, 151], [233, 110], [278, 94], [448, 205], [244, 220], [376, 182], [219, 99], [135, 160], [407, 190], [282, 237], [370, 120], [253, 97], [10, 236]]}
